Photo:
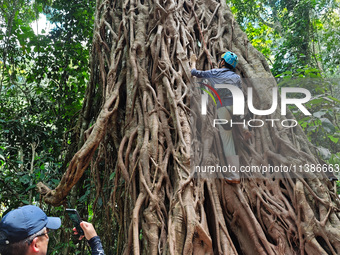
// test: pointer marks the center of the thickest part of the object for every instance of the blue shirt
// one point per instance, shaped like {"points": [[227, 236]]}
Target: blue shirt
{"points": [[220, 76]]}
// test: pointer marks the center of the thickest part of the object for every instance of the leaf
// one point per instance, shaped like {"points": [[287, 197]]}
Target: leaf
{"points": [[333, 139], [312, 128], [327, 125], [25, 202], [316, 101], [319, 114], [335, 99], [100, 202], [25, 179], [84, 197], [30, 187], [324, 153], [112, 175], [55, 181]]}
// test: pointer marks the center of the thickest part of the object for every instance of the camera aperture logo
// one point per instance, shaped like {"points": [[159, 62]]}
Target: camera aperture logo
{"points": [[239, 105], [209, 93]]}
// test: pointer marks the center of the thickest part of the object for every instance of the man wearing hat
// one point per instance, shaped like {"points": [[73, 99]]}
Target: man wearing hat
{"points": [[25, 230]]}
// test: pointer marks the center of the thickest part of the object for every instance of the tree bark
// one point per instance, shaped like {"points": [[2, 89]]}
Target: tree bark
{"points": [[143, 136]]}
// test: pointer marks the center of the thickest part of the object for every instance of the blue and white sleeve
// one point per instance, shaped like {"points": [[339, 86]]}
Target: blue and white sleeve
{"points": [[96, 246], [201, 74]]}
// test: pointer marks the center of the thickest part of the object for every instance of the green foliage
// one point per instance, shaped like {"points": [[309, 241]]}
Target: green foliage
{"points": [[300, 39], [262, 37], [42, 86], [329, 39], [322, 127], [292, 34], [43, 79]]}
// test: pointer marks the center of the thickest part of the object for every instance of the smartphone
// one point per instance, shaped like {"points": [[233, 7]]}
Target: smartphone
{"points": [[75, 218]]}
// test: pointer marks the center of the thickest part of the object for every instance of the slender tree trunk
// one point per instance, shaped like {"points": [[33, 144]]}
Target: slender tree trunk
{"points": [[143, 136]]}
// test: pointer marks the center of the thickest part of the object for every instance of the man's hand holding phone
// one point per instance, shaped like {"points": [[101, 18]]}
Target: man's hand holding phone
{"points": [[88, 229], [81, 228], [76, 220]]}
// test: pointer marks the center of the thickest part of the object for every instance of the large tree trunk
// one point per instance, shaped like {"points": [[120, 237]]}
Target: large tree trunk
{"points": [[140, 68]]}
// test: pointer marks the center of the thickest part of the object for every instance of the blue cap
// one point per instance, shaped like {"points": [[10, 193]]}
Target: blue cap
{"points": [[230, 58], [24, 222]]}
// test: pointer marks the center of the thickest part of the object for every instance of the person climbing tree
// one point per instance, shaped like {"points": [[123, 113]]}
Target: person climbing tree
{"points": [[224, 74]]}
